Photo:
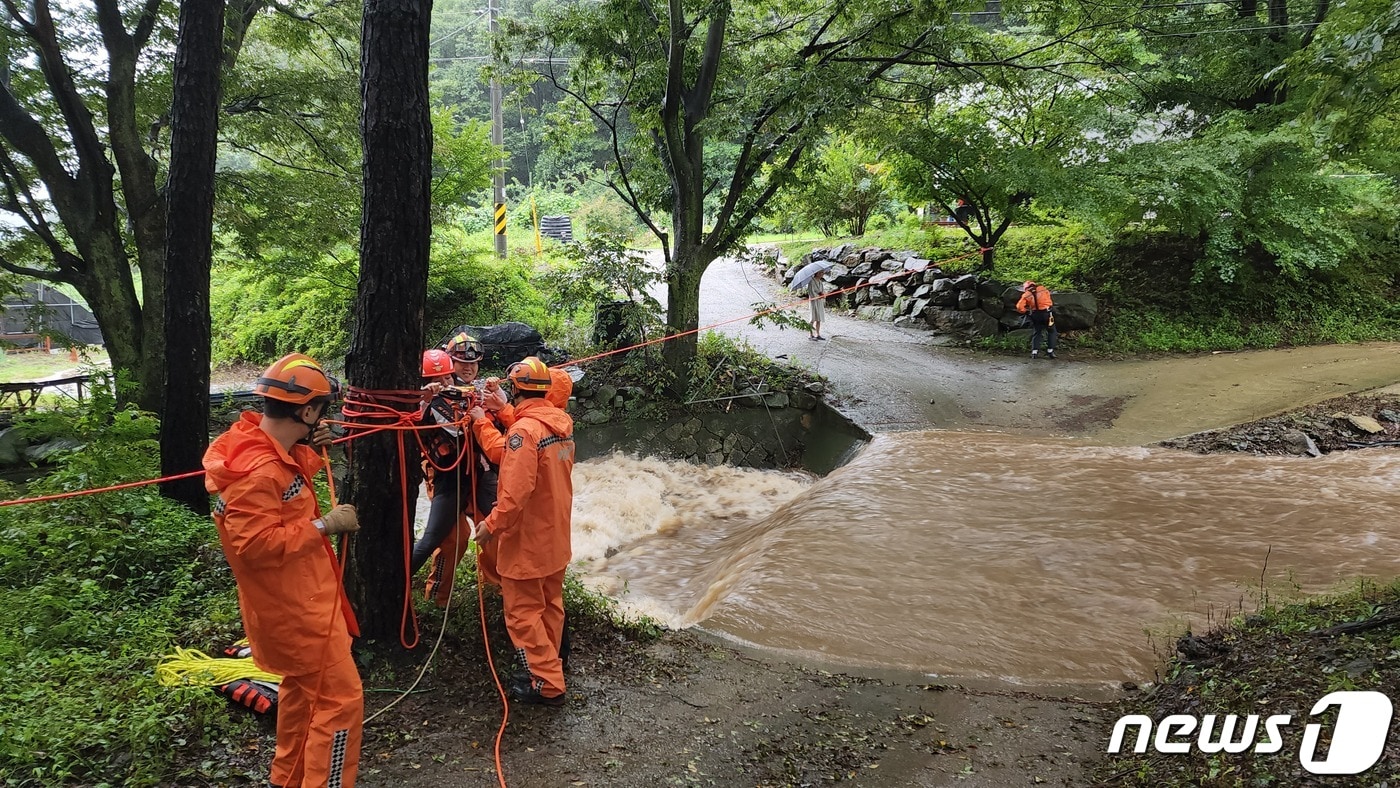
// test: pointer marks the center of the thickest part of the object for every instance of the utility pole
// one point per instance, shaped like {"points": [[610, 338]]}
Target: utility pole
{"points": [[497, 139]]}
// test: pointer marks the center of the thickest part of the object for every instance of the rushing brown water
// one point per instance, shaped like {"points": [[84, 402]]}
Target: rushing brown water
{"points": [[981, 554]]}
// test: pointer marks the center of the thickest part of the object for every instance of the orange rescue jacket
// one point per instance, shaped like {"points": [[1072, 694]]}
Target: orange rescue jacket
{"points": [[285, 569], [1035, 299], [490, 437], [534, 511]]}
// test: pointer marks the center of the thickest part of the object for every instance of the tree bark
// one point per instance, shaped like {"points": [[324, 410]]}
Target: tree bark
{"points": [[82, 182], [189, 248], [682, 315], [385, 343]]}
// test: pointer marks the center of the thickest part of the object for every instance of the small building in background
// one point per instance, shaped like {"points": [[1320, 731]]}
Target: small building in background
{"points": [[38, 311]]}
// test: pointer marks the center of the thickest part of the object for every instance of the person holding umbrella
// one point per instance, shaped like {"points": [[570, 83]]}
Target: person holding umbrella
{"points": [[813, 277]]}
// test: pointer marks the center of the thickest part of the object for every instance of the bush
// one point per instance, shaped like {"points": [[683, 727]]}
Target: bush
{"points": [[468, 285], [261, 312], [93, 591]]}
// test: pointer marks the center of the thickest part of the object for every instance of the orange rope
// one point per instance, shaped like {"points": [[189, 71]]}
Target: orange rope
{"points": [[405, 421], [491, 663], [76, 493], [400, 419]]}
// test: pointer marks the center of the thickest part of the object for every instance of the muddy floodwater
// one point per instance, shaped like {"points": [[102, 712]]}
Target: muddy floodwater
{"points": [[1039, 561]]}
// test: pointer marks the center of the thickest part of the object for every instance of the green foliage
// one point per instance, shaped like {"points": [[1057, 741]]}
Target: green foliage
{"points": [[289, 163], [990, 149], [260, 315], [726, 366], [842, 186], [601, 270], [468, 285], [462, 155], [587, 608], [1265, 662], [1254, 196], [93, 591]]}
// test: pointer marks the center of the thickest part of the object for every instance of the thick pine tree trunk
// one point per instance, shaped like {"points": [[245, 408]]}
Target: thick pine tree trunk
{"points": [[385, 344], [194, 128]]}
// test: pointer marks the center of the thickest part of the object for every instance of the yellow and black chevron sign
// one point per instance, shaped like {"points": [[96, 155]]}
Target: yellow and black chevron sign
{"points": [[500, 218]]}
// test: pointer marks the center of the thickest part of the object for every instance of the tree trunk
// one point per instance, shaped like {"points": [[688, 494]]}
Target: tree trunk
{"points": [[683, 314], [188, 253], [107, 286], [988, 258], [396, 136]]}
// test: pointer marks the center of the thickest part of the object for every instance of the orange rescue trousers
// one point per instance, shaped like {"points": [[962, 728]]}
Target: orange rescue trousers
{"points": [[442, 567], [535, 621], [319, 721]]}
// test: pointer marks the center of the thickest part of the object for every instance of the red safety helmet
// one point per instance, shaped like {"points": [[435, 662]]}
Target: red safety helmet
{"points": [[465, 347], [531, 374], [295, 378], [436, 363]]}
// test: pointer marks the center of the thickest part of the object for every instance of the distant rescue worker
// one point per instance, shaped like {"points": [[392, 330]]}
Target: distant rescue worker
{"points": [[531, 527], [1036, 303], [295, 613], [462, 476]]}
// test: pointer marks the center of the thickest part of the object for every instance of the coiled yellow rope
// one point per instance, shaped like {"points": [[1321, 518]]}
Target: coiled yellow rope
{"points": [[195, 668]]}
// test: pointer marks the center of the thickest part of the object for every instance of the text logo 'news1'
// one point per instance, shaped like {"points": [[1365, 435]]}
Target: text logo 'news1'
{"points": [[1358, 737]]}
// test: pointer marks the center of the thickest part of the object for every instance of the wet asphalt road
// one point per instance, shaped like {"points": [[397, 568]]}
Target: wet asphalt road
{"points": [[889, 378]]}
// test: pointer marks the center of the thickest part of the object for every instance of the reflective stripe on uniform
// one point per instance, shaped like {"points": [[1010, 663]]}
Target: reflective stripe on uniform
{"points": [[295, 489], [553, 439], [335, 778]]}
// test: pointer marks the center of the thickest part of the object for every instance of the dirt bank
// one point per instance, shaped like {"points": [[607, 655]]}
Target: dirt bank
{"points": [[1354, 421], [686, 709], [682, 708], [1279, 661]]}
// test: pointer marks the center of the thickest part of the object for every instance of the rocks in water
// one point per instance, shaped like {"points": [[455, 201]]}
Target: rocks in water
{"points": [[1311, 431], [1299, 442]]}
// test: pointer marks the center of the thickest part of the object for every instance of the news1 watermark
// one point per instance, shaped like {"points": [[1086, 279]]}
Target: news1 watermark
{"points": [[1358, 735]]}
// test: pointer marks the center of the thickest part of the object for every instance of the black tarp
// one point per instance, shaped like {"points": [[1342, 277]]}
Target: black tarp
{"points": [[504, 344]]}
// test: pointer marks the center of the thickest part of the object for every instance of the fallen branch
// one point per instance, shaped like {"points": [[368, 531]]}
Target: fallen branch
{"points": [[1375, 622]]}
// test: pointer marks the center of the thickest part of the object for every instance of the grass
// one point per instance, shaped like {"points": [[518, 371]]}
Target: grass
{"points": [[37, 364], [1280, 660]]}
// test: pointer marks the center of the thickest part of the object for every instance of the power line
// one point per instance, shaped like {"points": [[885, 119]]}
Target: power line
{"points": [[1186, 33], [564, 60], [446, 36]]}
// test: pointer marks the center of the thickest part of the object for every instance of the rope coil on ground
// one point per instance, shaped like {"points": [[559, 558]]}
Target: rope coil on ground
{"points": [[193, 668]]}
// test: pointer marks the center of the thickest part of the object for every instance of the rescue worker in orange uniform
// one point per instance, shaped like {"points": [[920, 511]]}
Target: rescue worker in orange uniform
{"points": [[531, 526], [1036, 303], [295, 613], [462, 477]]}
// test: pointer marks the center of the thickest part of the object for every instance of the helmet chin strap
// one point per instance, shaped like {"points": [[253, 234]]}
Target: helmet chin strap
{"points": [[310, 425]]}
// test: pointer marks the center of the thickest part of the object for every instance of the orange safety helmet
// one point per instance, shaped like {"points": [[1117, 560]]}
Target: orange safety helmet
{"points": [[436, 363], [465, 347], [295, 378], [531, 374]]}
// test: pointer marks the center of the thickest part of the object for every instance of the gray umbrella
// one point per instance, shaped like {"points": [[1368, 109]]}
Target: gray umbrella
{"points": [[805, 274]]}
